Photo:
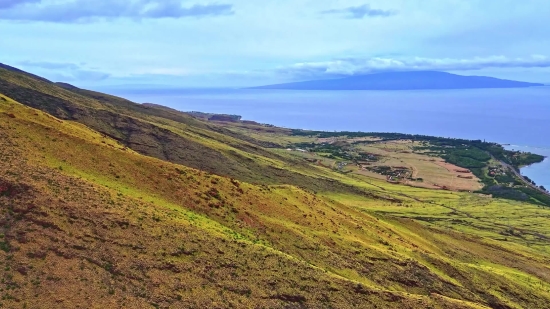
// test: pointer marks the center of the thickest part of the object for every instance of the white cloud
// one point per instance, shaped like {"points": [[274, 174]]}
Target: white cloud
{"points": [[6, 4], [64, 71], [359, 12], [358, 66], [285, 39], [93, 10]]}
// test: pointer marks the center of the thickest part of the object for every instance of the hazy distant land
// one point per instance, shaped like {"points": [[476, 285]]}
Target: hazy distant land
{"points": [[411, 80]]}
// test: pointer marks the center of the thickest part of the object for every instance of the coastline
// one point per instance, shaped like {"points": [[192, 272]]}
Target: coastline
{"points": [[538, 172]]}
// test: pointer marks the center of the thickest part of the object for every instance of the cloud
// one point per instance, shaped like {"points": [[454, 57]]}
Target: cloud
{"points": [[91, 10], [175, 10], [49, 65], [64, 71], [85, 75], [359, 12], [358, 66], [6, 4]]}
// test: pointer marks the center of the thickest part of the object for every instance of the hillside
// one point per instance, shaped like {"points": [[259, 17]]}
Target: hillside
{"points": [[92, 218], [411, 80], [164, 134]]}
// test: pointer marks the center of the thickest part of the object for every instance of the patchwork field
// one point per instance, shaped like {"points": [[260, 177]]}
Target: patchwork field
{"points": [[435, 172]]}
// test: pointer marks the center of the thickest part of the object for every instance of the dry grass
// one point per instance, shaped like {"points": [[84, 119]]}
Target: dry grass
{"points": [[435, 172], [86, 219]]}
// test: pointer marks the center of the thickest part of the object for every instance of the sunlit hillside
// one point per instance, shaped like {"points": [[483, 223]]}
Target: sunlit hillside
{"points": [[109, 204]]}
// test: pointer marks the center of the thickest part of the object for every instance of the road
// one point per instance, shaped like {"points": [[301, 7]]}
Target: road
{"points": [[518, 174]]}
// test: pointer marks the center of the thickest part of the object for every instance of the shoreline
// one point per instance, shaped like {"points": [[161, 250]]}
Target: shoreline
{"points": [[509, 146], [534, 171]]}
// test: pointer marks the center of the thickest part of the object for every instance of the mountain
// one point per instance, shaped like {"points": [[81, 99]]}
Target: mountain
{"points": [[106, 203], [403, 81], [16, 70]]}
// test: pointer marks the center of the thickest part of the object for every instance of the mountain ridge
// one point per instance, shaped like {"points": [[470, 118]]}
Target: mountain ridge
{"points": [[406, 80]]}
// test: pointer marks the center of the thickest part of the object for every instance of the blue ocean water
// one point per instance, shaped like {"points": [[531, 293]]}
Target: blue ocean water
{"points": [[518, 116]]}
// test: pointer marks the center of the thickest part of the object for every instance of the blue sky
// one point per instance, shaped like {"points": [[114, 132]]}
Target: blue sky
{"points": [[235, 43]]}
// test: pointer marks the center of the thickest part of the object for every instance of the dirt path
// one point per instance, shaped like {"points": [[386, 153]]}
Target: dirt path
{"points": [[414, 172]]}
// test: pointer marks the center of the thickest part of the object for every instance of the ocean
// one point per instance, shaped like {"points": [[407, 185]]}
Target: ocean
{"points": [[519, 116]]}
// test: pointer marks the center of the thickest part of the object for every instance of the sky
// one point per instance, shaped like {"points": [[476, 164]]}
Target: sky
{"points": [[240, 43]]}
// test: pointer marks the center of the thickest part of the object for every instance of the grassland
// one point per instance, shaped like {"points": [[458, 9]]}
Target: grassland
{"points": [[89, 220]]}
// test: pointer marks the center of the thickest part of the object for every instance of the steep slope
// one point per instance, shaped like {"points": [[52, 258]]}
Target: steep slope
{"points": [[166, 135], [410, 80], [87, 219]]}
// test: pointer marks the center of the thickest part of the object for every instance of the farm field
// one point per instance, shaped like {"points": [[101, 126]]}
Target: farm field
{"points": [[435, 172]]}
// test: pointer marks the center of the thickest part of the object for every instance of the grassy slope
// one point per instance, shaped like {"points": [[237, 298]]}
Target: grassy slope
{"points": [[84, 216], [164, 134]]}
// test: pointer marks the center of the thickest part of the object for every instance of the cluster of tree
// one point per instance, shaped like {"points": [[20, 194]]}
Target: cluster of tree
{"points": [[505, 192], [465, 162], [539, 197], [473, 153], [215, 117], [333, 151], [529, 180], [508, 178], [525, 158]]}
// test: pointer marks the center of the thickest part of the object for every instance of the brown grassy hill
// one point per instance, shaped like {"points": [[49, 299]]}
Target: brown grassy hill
{"points": [[86, 220], [82, 232], [164, 134]]}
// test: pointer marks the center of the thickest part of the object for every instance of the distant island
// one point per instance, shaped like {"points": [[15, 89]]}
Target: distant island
{"points": [[410, 80]]}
